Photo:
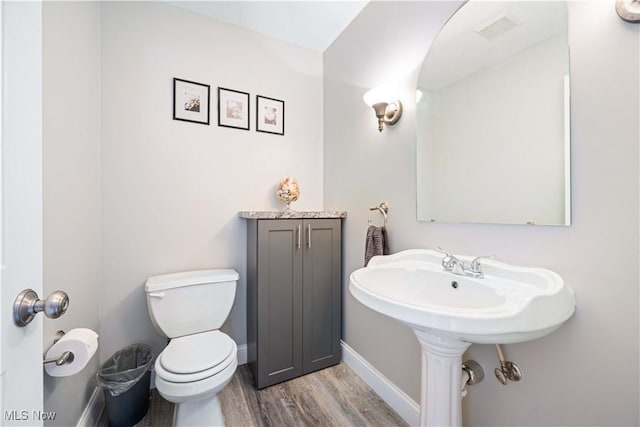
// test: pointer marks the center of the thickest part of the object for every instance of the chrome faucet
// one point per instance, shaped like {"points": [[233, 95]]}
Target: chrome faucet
{"points": [[454, 265]]}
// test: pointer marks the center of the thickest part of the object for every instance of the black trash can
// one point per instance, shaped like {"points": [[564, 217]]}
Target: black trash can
{"points": [[125, 378]]}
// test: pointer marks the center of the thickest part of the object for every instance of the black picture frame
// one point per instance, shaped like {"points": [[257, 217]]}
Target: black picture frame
{"points": [[191, 101], [233, 108], [269, 115]]}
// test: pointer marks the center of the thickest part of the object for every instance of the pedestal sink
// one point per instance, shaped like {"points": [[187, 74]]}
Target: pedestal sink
{"points": [[449, 312]]}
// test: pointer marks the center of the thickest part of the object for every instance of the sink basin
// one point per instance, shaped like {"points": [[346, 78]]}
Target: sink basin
{"points": [[449, 312], [510, 304]]}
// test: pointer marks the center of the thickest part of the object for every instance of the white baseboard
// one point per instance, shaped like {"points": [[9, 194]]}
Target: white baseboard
{"points": [[93, 410], [242, 354], [404, 406]]}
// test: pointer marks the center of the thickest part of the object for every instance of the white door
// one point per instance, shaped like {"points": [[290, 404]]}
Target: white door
{"points": [[21, 394]]}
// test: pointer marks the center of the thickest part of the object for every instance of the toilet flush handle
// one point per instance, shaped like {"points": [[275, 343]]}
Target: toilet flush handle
{"points": [[156, 294]]}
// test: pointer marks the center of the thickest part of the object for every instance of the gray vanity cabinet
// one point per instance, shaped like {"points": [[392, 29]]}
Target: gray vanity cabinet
{"points": [[294, 291]]}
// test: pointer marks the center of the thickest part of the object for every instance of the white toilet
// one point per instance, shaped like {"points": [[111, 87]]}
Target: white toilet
{"points": [[199, 361]]}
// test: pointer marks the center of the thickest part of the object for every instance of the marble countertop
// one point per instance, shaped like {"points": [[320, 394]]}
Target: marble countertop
{"points": [[291, 214]]}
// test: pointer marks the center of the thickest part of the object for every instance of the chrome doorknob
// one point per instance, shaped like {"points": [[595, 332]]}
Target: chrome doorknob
{"points": [[27, 305]]}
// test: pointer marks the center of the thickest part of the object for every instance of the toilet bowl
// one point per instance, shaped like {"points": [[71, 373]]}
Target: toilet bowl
{"points": [[200, 360]]}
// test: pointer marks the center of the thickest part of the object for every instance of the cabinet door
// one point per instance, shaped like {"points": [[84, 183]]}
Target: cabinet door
{"points": [[322, 293], [279, 320]]}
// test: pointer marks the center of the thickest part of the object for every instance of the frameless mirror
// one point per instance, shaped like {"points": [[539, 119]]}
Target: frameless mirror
{"points": [[493, 117]]}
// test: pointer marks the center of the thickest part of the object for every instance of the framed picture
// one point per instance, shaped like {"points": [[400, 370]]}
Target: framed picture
{"points": [[190, 101], [233, 108], [269, 115]]}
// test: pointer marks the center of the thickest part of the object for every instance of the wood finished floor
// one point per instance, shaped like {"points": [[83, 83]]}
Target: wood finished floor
{"points": [[335, 396]]}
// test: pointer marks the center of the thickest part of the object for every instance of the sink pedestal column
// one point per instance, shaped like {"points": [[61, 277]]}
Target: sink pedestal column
{"points": [[441, 384]]}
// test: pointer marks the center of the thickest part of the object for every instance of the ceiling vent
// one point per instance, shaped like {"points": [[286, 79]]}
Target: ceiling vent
{"points": [[497, 26]]}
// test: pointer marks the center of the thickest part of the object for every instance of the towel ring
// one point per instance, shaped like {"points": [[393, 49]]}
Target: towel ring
{"points": [[383, 208]]}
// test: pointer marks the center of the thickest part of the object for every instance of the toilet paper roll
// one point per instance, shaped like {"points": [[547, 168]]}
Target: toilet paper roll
{"points": [[82, 342]]}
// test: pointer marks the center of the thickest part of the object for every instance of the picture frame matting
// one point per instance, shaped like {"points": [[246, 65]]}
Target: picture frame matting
{"points": [[269, 115], [191, 101], [233, 108]]}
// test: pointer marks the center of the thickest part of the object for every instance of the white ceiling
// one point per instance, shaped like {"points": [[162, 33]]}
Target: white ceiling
{"points": [[311, 24]]}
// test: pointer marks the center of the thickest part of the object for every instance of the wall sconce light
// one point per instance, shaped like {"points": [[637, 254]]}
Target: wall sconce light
{"points": [[629, 10], [387, 108]]}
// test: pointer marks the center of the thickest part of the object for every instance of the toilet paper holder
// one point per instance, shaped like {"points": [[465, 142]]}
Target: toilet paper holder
{"points": [[66, 357]]}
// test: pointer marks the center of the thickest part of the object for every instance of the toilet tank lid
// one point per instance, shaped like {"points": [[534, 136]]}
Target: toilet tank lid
{"points": [[189, 278]]}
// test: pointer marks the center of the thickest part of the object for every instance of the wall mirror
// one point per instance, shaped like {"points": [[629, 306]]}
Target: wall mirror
{"points": [[493, 128]]}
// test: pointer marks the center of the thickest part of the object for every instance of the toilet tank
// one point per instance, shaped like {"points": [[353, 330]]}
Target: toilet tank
{"points": [[194, 301]]}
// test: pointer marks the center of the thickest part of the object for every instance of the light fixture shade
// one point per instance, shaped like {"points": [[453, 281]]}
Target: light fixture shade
{"points": [[380, 94]]}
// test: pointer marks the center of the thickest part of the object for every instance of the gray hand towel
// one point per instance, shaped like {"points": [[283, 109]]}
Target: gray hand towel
{"points": [[377, 243]]}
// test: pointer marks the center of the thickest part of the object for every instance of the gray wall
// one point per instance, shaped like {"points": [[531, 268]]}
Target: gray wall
{"points": [[587, 372], [171, 190], [71, 187], [129, 192]]}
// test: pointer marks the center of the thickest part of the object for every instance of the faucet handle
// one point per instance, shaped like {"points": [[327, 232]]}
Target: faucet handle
{"points": [[449, 261], [475, 264], [443, 251]]}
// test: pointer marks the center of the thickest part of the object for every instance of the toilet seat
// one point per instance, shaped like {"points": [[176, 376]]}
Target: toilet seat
{"points": [[195, 357], [181, 392]]}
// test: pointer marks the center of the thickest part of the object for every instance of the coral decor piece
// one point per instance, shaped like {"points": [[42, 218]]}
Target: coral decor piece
{"points": [[288, 191]]}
